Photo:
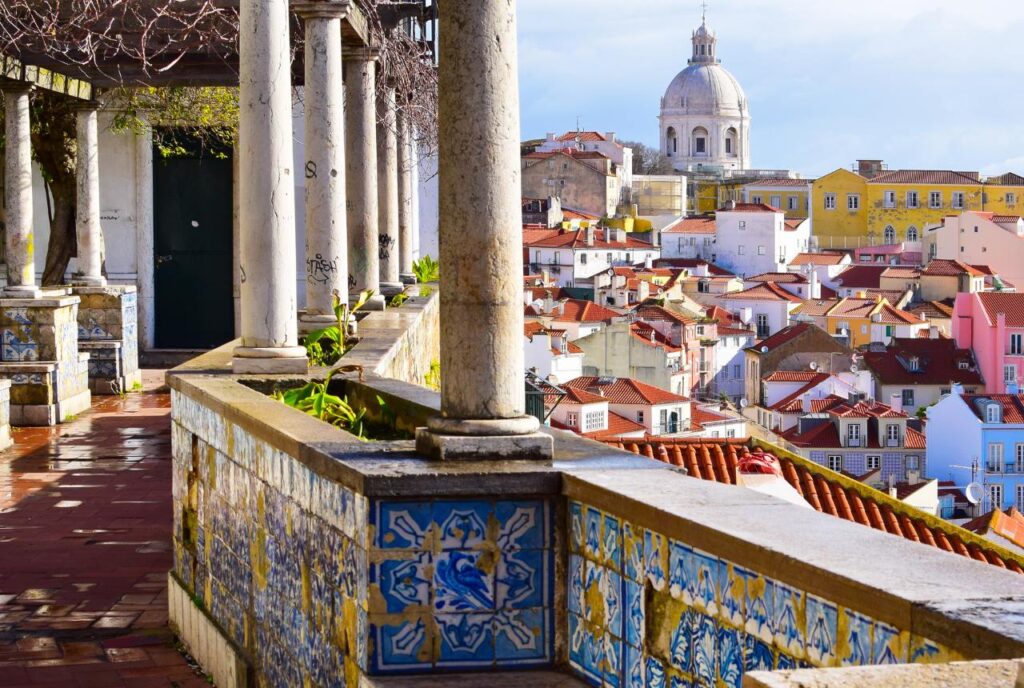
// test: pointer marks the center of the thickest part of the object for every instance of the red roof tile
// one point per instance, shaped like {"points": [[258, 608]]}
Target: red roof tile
{"points": [[661, 314], [750, 208], [926, 177], [650, 336], [577, 239], [1010, 303], [826, 491], [1012, 405], [692, 263], [817, 259], [692, 225], [1008, 179], [700, 417], [585, 136], [778, 278], [781, 337], [572, 214], [623, 390], [777, 181], [568, 152], [766, 291], [939, 267], [583, 311], [861, 276], [938, 362], [795, 376], [793, 224]]}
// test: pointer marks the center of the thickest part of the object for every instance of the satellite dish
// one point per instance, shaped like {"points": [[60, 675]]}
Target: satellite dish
{"points": [[854, 368], [814, 365], [975, 492], [764, 349], [744, 403]]}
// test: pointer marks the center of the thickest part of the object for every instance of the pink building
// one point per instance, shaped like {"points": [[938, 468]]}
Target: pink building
{"points": [[992, 323]]}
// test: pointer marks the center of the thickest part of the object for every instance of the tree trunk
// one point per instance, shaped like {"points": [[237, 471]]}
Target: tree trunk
{"points": [[63, 242]]}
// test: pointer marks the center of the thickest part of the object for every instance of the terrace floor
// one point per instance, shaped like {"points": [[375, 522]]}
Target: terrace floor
{"points": [[85, 546]]}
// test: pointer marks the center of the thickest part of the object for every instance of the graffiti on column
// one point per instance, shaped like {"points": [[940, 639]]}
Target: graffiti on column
{"points": [[320, 270], [387, 244], [310, 170]]}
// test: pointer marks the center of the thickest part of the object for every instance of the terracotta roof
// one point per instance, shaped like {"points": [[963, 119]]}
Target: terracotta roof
{"points": [[1012, 404], [572, 214], [938, 363], [581, 396], [781, 337], [541, 293], [931, 309], [700, 417], [905, 489], [531, 235], [1006, 219], [828, 492], [779, 181], [577, 239], [861, 276], [661, 314], [585, 136], [583, 311], [853, 308], [693, 225], [926, 177], [816, 307], [794, 376], [1010, 303], [778, 278], [750, 208], [901, 272], [893, 296], [1008, 179], [651, 337], [623, 390], [617, 425], [1007, 524], [766, 291], [939, 267], [568, 152], [817, 259], [792, 224], [691, 263], [786, 405], [890, 315]]}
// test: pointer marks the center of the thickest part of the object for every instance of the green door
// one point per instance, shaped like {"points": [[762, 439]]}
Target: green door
{"points": [[192, 252]]}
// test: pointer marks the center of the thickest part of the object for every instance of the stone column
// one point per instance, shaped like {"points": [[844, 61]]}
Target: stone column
{"points": [[267, 208], [406, 190], [87, 211], [387, 192], [144, 229], [361, 174], [326, 236], [482, 371], [21, 268]]}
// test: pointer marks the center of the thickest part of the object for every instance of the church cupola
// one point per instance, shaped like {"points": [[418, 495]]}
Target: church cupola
{"points": [[704, 45]]}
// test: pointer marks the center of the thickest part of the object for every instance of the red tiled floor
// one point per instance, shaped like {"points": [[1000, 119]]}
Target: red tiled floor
{"points": [[85, 530]]}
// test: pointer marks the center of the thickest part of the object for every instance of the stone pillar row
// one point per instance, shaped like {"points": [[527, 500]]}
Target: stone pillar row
{"points": [[21, 269]]}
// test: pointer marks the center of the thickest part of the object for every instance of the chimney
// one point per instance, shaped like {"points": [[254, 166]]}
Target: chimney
{"points": [[730, 204], [957, 389], [655, 237], [549, 303], [933, 332], [813, 286], [561, 307], [620, 235], [545, 275], [589, 235], [610, 135], [892, 486], [550, 136], [649, 262], [913, 477], [896, 402], [805, 402]]}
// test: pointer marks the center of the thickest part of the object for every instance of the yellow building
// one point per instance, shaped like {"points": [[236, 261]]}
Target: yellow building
{"points": [[868, 320], [791, 196], [875, 206]]}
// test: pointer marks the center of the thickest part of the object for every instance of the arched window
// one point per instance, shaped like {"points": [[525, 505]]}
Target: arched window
{"points": [[700, 141], [731, 141], [890, 235], [912, 233], [671, 142]]}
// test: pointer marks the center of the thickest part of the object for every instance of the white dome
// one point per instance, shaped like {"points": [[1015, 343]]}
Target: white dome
{"points": [[705, 89]]}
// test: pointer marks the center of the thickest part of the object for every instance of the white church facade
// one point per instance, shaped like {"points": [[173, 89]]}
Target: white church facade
{"points": [[705, 115]]}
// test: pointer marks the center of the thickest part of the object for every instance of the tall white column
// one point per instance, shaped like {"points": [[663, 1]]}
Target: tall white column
{"points": [[387, 191], [21, 270], [326, 235], [267, 208], [361, 174], [483, 396], [406, 189], [87, 209], [144, 237]]}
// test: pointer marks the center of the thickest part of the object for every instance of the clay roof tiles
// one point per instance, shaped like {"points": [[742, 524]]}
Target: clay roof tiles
{"points": [[939, 267], [938, 363], [779, 181], [861, 276], [778, 278], [693, 225], [583, 311], [585, 136], [624, 390], [750, 208], [926, 177], [1010, 303], [781, 337], [576, 239], [817, 259], [1012, 404], [765, 291], [826, 491]]}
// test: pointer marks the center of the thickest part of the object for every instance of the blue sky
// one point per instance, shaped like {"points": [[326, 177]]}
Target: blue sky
{"points": [[918, 83]]}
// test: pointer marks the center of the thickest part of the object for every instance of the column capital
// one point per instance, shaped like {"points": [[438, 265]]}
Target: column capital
{"points": [[11, 86], [88, 106], [325, 9], [363, 54]]}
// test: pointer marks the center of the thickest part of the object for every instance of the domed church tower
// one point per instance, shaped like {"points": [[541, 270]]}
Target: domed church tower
{"points": [[705, 120]]}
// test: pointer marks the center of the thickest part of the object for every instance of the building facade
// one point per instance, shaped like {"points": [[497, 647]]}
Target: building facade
{"points": [[992, 324]]}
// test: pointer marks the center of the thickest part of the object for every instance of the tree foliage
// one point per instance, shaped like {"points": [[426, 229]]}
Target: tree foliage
{"points": [[648, 160]]}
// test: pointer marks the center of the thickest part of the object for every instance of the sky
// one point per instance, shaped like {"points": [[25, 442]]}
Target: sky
{"points": [[920, 84]]}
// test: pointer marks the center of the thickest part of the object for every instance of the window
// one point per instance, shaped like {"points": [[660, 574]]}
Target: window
{"points": [[1020, 498], [762, 325], [755, 200], [663, 419], [1010, 374], [679, 245], [583, 258], [700, 145], [793, 200], [737, 371], [610, 256], [992, 413], [830, 201], [913, 463], [557, 260], [853, 201], [776, 202], [739, 250], [913, 200], [853, 433], [728, 146], [908, 398], [639, 416], [995, 457], [760, 250], [1011, 198], [889, 199], [995, 496], [571, 419], [594, 420], [1019, 458], [935, 199], [873, 462], [1016, 344], [889, 235], [730, 433], [703, 287], [958, 200], [912, 233], [892, 432], [835, 462]]}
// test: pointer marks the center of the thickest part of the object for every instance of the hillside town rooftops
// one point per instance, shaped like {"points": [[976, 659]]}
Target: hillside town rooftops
{"points": [[783, 336], [577, 239], [692, 225], [824, 258], [861, 276], [1009, 303], [624, 390], [927, 177], [939, 267], [765, 291], [749, 208], [922, 362]]}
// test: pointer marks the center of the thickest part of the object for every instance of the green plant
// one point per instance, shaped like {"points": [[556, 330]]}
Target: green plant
{"points": [[426, 269], [137, 387], [433, 377], [398, 299], [326, 346], [315, 399]]}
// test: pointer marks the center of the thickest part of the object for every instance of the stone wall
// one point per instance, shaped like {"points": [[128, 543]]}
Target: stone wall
{"points": [[401, 343], [108, 330]]}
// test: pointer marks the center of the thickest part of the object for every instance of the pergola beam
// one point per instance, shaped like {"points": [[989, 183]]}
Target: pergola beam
{"points": [[13, 69]]}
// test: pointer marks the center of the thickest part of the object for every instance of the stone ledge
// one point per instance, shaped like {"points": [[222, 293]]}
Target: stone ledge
{"points": [[204, 640], [503, 679], [991, 674]]}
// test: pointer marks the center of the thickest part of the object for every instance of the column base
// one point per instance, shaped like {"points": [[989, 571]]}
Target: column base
{"points": [[31, 292], [408, 278], [83, 281], [249, 360], [389, 289], [311, 322], [375, 303], [448, 439]]}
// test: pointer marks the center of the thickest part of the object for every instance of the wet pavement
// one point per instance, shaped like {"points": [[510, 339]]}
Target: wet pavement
{"points": [[85, 532]]}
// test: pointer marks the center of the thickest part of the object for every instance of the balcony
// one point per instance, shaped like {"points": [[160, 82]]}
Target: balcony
{"points": [[852, 441]]}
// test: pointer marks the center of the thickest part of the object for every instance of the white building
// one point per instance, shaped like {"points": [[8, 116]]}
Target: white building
{"points": [[729, 359], [594, 141], [753, 238], [690, 238], [550, 355], [977, 238], [659, 411], [574, 257], [705, 118], [766, 307]]}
